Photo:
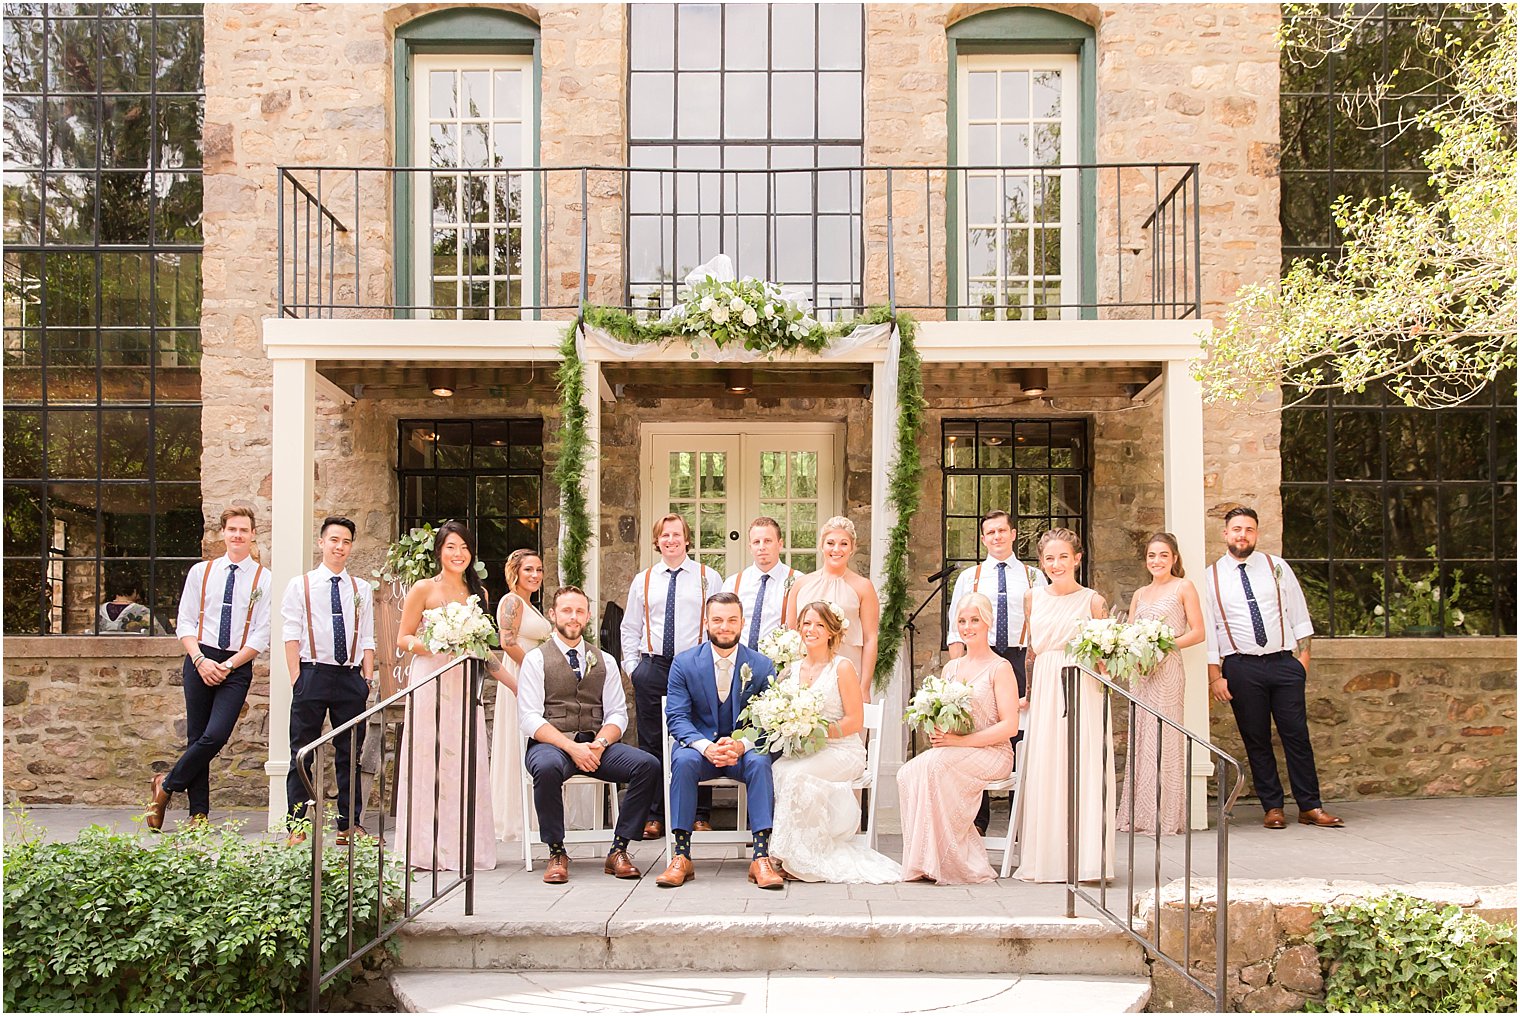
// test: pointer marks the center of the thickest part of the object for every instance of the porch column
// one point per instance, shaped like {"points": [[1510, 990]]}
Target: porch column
{"points": [[1182, 438], [895, 698], [291, 493]]}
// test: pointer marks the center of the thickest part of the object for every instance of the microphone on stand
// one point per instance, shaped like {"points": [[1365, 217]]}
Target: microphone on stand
{"points": [[942, 574]]}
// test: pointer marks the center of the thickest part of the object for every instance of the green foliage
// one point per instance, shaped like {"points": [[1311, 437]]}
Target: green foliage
{"points": [[903, 492], [1421, 299], [201, 920], [1416, 602], [411, 558], [570, 470], [1396, 953]]}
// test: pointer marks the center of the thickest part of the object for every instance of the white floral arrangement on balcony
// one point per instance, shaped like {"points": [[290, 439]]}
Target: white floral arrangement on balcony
{"points": [[758, 314]]}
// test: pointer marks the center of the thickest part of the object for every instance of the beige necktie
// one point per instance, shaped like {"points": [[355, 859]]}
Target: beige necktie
{"points": [[725, 671]]}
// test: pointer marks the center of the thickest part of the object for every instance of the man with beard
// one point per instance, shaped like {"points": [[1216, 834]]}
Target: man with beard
{"points": [[570, 702], [1259, 663], [709, 688]]}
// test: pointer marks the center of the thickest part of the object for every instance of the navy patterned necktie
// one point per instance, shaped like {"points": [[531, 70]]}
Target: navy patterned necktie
{"points": [[668, 646], [1258, 626], [224, 630], [340, 637], [754, 623], [1001, 644], [575, 662]]}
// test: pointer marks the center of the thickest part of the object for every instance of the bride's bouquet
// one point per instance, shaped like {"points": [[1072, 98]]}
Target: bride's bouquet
{"points": [[1125, 649], [786, 717], [942, 703], [459, 629], [782, 646]]}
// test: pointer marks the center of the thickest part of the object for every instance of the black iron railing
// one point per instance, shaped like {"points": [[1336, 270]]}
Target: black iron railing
{"points": [[1229, 782], [422, 891], [1090, 240]]}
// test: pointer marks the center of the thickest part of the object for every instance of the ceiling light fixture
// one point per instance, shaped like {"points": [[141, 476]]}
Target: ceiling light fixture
{"points": [[739, 380], [441, 382], [1034, 380]]}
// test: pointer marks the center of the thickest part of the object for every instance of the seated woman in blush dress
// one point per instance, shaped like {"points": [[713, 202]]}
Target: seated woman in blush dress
{"points": [[940, 791]]}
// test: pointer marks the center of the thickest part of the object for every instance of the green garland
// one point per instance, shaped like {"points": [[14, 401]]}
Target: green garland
{"points": [[902, 484]]}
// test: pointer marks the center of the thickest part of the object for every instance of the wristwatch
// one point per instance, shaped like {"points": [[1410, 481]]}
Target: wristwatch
{"points": [[602, 742]]}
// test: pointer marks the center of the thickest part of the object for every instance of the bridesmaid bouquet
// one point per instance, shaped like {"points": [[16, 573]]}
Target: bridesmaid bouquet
{"points": [[459, 629], [782, 646], [942, 703], [1126, 650], [786, 717]]}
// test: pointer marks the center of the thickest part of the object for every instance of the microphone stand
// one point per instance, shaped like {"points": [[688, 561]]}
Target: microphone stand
{"points": [[911, 627]]}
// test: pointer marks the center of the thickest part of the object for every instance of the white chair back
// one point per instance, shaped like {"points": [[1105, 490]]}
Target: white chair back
{"points": [[871, 727]]}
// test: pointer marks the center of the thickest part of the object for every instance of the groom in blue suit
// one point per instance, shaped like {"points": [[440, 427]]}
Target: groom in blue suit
{"points": [[709, 687]]}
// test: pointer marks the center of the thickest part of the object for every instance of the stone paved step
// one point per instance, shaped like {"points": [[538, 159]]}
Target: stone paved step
{"points": [[753, 993]]}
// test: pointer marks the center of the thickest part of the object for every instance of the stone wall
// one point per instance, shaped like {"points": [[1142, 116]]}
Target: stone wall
{"points": [[89, 720], [1271, 967], [1405, 718]]}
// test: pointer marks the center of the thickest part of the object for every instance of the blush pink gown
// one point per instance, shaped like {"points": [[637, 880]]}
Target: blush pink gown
{"points": [[940, 791]]}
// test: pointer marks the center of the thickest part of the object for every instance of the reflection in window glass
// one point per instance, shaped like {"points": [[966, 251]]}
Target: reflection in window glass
{"points": [[732, 87], [103, 509]]}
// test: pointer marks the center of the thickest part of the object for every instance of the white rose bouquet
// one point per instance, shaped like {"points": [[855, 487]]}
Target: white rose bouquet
{"points": [[941, 703], [782, 646], [1125, 650], [459, 629], [750, 311], [786, 717]]}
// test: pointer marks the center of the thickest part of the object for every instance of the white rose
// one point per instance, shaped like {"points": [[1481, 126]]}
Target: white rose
{"points": [[1377, 611], [750, 318], [720, 315], [706, 305], [770, 310], [736, 304]]}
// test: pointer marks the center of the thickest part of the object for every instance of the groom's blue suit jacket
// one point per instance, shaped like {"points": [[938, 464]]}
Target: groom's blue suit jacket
{"points": [[692, 710]]}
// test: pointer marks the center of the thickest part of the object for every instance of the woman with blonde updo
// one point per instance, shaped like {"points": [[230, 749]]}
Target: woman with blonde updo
{"points": [[1056, 613], [816, 812], [836, 583]]}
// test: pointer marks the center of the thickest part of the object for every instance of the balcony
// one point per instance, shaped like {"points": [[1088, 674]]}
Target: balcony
{"points": [[1096, 241]]}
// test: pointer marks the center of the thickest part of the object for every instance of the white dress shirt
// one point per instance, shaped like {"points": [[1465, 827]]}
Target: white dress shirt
{"points": [[189, 619], [1019, 582], [694, 585], [293, 614], [747, 585], [1284, 613], [530, 687]]}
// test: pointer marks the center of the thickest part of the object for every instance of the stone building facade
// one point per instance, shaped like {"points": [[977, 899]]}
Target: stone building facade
{"points": [[311, 84]]}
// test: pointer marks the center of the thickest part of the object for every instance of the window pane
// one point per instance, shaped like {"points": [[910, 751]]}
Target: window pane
{"points": [[839, 26], [652, 36], [651, 105], [746, 36], [697, 116], [701, 44], [792, 36]]}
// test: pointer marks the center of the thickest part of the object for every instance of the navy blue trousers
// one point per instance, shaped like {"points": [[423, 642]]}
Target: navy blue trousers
{"points": [[211, 713]]}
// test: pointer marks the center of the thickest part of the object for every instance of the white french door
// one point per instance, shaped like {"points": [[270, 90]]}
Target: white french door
{"points": [[719, 479], [473, 217], [1020, 234]]}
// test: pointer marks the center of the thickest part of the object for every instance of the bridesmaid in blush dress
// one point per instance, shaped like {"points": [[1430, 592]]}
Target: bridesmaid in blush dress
{"points": [[432, 782], [1171, 598], [940, 790], [1056, 612], [837, 583]]}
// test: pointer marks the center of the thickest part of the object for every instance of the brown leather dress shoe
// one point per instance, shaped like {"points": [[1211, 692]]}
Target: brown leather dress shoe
{"points": [[678, 874], [295, 839], [766, 873], [701, 825], [1319, 817], [355, 832], [160, 803], [1275, 819], [653, 830], [558, 871], [621, 865]]}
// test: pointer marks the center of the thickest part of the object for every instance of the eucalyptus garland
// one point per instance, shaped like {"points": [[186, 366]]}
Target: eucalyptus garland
{"points": [[902, 484]]}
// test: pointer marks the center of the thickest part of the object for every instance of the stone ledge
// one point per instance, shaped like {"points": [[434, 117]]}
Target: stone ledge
{"points": [[1375, 650], [85, 647]]}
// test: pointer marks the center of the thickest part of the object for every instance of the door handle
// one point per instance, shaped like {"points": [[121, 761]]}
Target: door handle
{"points": [[733, 534]]}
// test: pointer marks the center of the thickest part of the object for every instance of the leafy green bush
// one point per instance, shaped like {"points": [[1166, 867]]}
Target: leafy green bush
{"points": [[198, 920], [1396, 953]]}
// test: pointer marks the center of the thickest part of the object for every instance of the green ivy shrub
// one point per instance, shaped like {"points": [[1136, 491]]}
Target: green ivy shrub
{"points": [[198, 920], [1396, 953]]}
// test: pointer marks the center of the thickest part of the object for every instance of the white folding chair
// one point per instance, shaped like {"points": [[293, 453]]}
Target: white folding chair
{"points": [[739, 837], [1014, 784], [598, 833], [867, 780]]}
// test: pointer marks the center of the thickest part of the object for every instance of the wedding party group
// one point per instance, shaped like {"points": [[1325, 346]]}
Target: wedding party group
{"points": [[762, 678]]}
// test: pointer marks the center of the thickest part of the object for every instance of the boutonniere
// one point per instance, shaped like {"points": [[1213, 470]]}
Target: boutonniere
{"points": [[1277, 571], [591, 657], [791, 576], [746, 675]]}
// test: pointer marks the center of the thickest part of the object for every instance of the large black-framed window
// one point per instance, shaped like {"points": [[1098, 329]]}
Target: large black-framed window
{"points": [[102, 346], [487, 473], [1397, 520], [1038, 470], [776, 87]]}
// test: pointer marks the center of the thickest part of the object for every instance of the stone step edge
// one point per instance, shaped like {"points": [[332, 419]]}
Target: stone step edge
{"points": [[793, 926]]}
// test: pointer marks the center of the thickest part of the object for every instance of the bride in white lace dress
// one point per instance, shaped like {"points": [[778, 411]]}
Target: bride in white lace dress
{"points": [[816, 811]]}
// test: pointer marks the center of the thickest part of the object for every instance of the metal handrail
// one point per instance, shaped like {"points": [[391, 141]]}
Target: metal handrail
{"points": [[1229, 792], [318, 977]]}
